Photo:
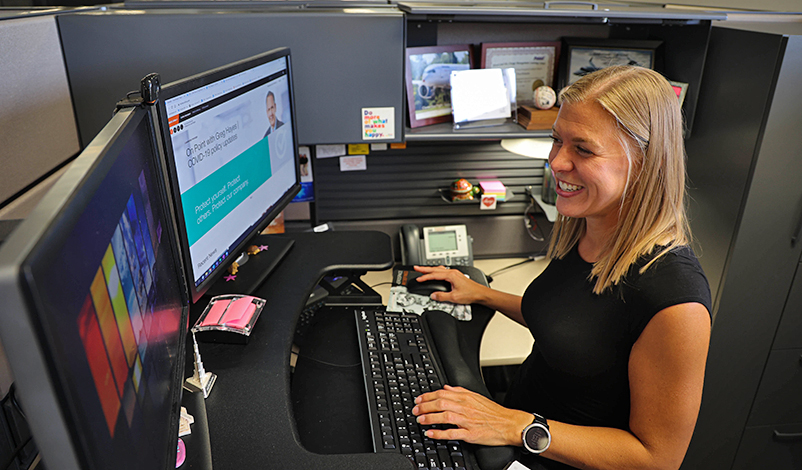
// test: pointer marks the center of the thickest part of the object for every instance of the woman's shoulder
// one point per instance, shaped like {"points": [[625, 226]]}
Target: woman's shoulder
{"points": [[680, 257], [675, 276]]}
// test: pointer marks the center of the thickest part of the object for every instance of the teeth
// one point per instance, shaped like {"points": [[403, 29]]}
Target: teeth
{"points": [[569, 187]]}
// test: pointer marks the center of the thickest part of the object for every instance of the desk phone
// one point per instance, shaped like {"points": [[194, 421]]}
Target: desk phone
{"points": [[447, 245]]}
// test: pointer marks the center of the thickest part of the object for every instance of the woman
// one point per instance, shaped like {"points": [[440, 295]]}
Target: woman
{"points": [[621, 315]]}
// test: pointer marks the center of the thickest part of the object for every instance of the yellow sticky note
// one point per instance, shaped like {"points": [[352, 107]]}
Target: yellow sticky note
{"points": [[358, 149]]}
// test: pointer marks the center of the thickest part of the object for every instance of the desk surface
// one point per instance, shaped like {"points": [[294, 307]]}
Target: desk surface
{"points": [[250, 411], [505, 342]]}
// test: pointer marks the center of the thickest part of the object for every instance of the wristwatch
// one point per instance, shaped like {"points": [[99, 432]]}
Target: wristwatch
{"points": [[536, 436]]}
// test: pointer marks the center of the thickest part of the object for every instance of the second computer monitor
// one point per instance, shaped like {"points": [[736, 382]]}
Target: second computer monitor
{"points": [[232, 158], [93, 312]]}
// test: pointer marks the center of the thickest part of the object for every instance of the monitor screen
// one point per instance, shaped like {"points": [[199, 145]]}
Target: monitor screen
{"points": [[94, 311], [232, 157]]}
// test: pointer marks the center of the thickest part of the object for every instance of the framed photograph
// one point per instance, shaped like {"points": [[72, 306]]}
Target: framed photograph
{"points": [[582, 56], [680, 88], [428, 77], [535, 64]]}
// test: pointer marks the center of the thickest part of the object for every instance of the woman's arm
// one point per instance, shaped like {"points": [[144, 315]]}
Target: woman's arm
{"points": [[666, 373], [466, 291]]}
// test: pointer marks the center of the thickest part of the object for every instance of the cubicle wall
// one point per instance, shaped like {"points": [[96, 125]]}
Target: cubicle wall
{"points": [[343, 60], [411, 186], [743, 179], [401, 186], [37, 125]]}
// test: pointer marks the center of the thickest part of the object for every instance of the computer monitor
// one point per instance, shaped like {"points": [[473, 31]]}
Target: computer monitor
{"points": [[93, 312], [232, 158]]}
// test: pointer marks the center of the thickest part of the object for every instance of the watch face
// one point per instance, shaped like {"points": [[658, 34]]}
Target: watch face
{"points": [[537, 438]]}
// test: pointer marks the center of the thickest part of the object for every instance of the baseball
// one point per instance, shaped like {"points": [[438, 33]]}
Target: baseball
{"points": [[544, 97]]}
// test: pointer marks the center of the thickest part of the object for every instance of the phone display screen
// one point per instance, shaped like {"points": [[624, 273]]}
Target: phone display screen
{"points": [[442, 241]]}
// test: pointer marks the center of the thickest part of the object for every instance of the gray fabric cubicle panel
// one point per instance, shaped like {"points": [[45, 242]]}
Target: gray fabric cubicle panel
{"points": [[342, 62], [402, 186], [37, 123], [406, 184]]}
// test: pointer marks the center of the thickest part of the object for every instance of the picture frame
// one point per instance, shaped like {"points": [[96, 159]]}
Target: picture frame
{"points": [[428, 71], [535, 63], [681, 89], [582, 56]]}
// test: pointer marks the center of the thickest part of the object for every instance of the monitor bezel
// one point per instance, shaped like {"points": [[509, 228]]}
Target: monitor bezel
{"points": [[185, 85], [40, 374]]}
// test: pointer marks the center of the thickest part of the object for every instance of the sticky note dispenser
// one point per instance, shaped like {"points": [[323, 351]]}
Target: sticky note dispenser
{"points": [[228, 319]]}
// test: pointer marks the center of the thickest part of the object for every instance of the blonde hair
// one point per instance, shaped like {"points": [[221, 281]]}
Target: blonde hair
{"points": [[652, 211]]}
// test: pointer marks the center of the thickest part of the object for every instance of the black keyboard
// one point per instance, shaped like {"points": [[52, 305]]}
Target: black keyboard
{"points": [[398, 366]]}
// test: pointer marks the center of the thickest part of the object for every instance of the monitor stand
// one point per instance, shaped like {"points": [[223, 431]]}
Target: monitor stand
{"points": [[254, 272]]}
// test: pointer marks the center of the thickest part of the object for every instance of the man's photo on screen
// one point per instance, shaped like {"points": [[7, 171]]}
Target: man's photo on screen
{"points": [[270, 103]]}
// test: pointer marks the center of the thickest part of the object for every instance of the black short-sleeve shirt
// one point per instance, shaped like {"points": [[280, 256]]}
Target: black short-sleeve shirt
{"points": [[577, 372]]}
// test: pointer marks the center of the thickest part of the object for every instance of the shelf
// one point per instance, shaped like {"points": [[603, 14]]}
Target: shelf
{"points": [[445, 131], [589, 12], [445, 194]]}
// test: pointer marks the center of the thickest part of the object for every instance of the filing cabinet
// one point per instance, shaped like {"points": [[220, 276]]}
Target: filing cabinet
{"points": [[746, 207], [773, 436]]}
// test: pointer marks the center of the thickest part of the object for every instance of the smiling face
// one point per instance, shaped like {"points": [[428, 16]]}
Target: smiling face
{"points": [[589, 163]]}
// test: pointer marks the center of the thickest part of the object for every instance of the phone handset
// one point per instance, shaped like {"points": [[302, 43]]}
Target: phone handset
{"points": [[448, 245], [410, 245]]}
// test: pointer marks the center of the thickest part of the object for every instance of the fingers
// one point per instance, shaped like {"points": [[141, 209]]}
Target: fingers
{"points": [[432, 272], [479, 420], [453, 434], [448, 399], [430, 269]]}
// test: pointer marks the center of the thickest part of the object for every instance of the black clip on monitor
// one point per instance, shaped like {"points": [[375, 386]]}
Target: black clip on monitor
{"points": [[232, 162], [94, 309]]}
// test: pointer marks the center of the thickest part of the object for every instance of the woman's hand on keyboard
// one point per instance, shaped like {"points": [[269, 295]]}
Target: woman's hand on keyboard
{"points": [[478, 419]]}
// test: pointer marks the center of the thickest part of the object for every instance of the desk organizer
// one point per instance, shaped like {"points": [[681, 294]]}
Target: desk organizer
{"points": [[228, 319]]}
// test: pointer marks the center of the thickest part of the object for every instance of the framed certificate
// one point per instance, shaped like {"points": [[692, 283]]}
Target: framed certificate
{"points": [[582, 56], [535, 63]]}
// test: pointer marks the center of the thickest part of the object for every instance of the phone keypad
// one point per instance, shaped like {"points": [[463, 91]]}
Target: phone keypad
{"points": [[449, 261]]}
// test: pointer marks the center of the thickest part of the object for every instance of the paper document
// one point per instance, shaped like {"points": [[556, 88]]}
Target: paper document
{"points": [[479, 94]]}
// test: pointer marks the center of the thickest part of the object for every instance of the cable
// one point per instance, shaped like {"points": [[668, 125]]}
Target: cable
{"points": [[12, 397], [16, 452], [381, 284], [496, 272], [8, 395], [532, 227], [37, 459]]}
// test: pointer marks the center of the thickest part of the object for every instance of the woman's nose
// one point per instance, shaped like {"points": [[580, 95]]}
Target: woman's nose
{"points": [[559, 160]]}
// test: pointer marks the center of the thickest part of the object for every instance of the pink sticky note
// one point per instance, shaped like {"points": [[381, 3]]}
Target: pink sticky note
{"points": [[239, 312], [492, 186], [217, 311]]}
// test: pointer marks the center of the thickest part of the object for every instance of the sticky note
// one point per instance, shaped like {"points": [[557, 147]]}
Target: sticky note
{"points": [[328, 151], [353, 163], [378, 123], [358, 149]]}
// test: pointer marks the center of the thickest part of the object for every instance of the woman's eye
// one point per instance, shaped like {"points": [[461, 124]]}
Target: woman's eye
{"points": [[555, 140], [584, 151]]}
